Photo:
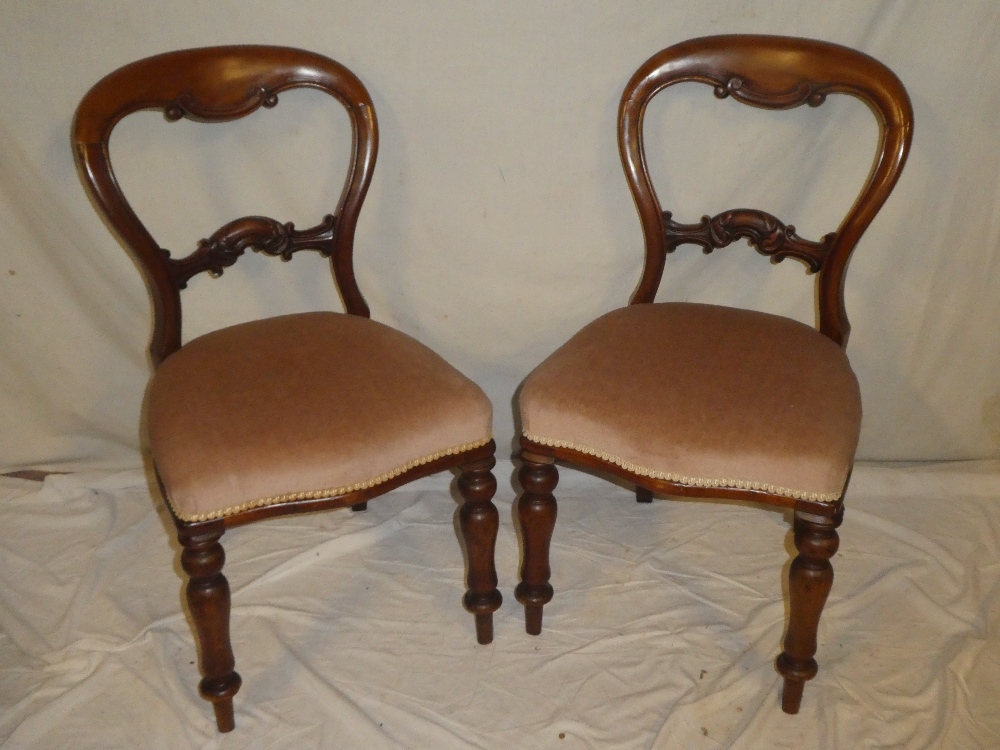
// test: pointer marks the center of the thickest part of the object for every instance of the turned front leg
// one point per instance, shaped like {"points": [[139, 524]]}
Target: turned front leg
{"points": [[809, 580], [479, 521], [208, 598], [536, 511]]}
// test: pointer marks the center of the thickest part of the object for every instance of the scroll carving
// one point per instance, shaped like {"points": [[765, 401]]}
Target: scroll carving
{"points": [[187, 106], [260, 233], [762, 230], [803, 93]]}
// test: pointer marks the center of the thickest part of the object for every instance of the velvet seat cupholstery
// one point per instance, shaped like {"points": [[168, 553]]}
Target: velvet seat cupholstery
{"points": [[290, 414], [697, 400]]}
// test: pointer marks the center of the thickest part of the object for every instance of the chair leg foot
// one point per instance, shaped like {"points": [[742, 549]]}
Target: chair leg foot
{"points": [[642, 495], [791, 695], [533, 619], [484, 628], [357, 507], [479, 521], [208, 598], [224, 718], [536, 511], [809, 581]]}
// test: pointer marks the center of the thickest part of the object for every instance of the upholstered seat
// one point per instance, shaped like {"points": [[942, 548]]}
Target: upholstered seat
{"points": [[741, 399], [230, 431]]}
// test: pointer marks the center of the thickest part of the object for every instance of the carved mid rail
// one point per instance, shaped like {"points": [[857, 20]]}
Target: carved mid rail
{"points": [[259, 233], [762, 230]]}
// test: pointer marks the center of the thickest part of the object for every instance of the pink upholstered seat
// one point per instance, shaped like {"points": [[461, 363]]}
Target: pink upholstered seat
{"points": [[702, 395], [303, 406]]}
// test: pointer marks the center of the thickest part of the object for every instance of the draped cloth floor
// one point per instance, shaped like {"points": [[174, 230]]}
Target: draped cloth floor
{"points": [[349, 632]]}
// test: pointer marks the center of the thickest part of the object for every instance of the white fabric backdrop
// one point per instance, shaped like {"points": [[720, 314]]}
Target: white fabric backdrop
{"points": [[498, 221]]}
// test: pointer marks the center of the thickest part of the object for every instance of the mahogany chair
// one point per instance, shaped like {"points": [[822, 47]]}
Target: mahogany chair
{"points": [[698, 400], [291, 414]]}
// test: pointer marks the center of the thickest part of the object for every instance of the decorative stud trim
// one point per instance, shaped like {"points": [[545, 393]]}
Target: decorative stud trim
{"points": [[325, 493], [642, 471]]}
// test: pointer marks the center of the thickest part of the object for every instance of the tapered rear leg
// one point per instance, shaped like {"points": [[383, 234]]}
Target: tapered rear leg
{"points": [[809, 580], [479, 521], [207, 593], [536, 511]]}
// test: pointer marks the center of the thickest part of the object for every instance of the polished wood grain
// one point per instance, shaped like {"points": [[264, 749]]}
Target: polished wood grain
{"points": [[536, 512], [763, 231], [208, 598], [258, 233], [479, 521], [773, 73], [809, 581], [219, 84]]}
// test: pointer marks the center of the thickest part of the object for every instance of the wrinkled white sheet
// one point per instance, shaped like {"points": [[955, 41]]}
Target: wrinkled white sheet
{"points": [[348, 628]]}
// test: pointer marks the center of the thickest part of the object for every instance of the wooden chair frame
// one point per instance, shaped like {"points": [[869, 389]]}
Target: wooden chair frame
{"points": [[219, 84], [771, 73]]}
